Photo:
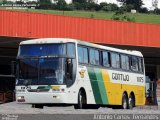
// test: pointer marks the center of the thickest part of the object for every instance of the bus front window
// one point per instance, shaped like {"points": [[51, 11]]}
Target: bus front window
{"points": [[51, 71], [27, 71], [42, 50], [42, 71]]}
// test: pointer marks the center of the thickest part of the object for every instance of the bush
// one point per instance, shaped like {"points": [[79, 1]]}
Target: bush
{"points": [[92, 16], [122, 16], [130, 19]]}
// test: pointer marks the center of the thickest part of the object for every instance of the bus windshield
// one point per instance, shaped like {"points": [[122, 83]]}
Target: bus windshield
{"points": [[42, 71], [42, 50]]}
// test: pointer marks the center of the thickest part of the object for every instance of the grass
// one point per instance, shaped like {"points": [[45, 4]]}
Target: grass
{"points": [[141, 18]]}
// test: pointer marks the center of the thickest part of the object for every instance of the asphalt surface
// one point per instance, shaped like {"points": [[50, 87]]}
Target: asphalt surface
{"points": [[16, 111]]}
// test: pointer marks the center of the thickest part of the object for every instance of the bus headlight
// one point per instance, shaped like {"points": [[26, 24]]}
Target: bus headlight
{"points": [[20, 99]]}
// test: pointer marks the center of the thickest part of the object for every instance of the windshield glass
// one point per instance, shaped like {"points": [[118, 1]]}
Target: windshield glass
{"points": [[42, 71], [28, 71], [42, 50], [51, 71]]}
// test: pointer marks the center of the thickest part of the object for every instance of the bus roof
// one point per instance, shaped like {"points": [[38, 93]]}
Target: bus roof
{"points": [[66, 40]]}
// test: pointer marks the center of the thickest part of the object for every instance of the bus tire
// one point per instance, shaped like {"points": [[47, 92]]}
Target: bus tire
{"points": [[131, 102], [124, 101], [81, 100]]}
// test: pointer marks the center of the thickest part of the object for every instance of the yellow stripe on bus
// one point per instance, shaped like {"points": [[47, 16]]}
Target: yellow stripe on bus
{"points": [[114, 91]]}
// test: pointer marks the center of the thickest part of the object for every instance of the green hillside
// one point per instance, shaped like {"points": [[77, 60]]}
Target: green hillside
{"points": [[142, 18]]}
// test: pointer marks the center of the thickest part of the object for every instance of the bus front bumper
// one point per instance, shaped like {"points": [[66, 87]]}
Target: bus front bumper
{"points": [[41, 98]]}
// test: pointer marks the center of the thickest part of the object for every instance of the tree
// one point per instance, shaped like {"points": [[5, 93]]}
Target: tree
{"points": [[4, 1], [79, 1], [91, 6], [20, 2], [144, 10], [61, 4], [157, 11], [70, 7], [108, 7], [44, 4], [102, 4], [137, 4], [79, 6], [1, 2], [31, 2]]}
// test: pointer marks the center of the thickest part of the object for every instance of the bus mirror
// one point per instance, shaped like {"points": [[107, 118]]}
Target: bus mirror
{"points": [[69, 71], [69, 74], [70, 68]]}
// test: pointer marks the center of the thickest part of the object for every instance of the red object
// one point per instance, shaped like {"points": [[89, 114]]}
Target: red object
{"points": [[36, 25]]}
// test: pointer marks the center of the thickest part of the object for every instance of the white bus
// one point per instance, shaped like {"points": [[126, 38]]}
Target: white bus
{"points": [[73, 72]]}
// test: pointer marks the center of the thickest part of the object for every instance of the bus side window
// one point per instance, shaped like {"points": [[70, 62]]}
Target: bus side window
{"points": [[83, 55], [91, 57], [105, 59], [140, 64], [124, 62], [80, 55], [97, 61], [134, 63], [94, 57], [115, 60]]}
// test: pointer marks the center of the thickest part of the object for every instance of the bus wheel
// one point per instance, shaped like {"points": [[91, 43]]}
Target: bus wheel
{"points": [[81, 100], [124, 101], [131, 102]]}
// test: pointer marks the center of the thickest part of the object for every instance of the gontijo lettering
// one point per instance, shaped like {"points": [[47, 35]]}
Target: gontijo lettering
{"points": [[117, 76]]}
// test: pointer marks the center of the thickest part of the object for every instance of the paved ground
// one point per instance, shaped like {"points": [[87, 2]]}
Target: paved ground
{"points": [[15, 108], [15, 111]]}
